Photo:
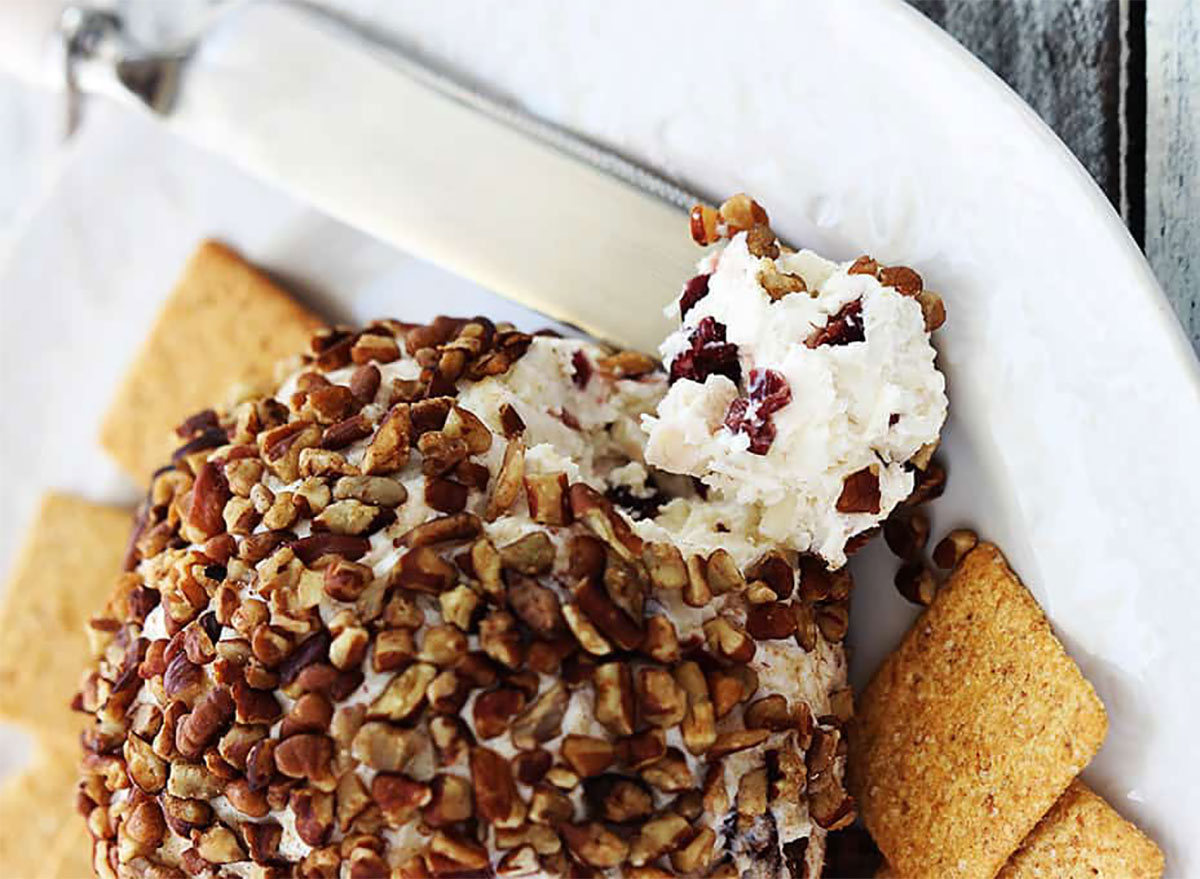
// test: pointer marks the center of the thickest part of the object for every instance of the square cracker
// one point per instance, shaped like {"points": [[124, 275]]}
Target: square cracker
{"points": [[224, 324], [41, 835], [971, 729], [64, 573], [1083, 837]]}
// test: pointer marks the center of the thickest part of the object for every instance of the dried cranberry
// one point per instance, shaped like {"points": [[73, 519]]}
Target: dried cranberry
{"points": [[842, 328], [637, 507], [768, 392], [583, 369], [695, 290], [709, 354]]}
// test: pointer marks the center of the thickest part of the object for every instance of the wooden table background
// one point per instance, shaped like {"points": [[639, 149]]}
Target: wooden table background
{"points": [[1119, 80]]}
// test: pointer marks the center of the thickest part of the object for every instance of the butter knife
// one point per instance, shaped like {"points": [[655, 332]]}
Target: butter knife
{"points": [[377, 139]]}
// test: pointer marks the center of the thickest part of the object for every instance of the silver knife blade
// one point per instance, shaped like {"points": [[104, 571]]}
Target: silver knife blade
{"points": [[386, 144]]}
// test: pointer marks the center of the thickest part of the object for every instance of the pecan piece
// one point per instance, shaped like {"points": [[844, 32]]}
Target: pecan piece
{"points": [[389, 448], [663, 703], [728, 641], [547, 496], [658, 837], [595, 845], [607, 617], [532, 554], [536, 606], [952, 548], [614, 697], [509, 480], [496, 797], [445, 529], [541, 721], [587, 755], [770, 621], [399, 797], [206, 722], [860, 492], [405, 694]]}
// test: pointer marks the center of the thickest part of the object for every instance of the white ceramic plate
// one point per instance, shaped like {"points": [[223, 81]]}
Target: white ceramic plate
{"points": [[1075, 396]]}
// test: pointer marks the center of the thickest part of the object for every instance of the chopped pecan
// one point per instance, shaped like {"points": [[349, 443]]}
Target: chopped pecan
{"points": [[509, 479], [389, 448], [598, 514], [280, 447], [364, 383], [657, 837], [663, 703], [541, 721], [423, 570], [313, 811], [670, 773], [494, 710], [405, 694], [547, 496], [665, 565], [529, 767], [458, 606], [445, 529], [695, 857], [830, 806], [905, 280], [618, 799], [728, 640], [615, 623], [496, 797], [587, 755], [146, 769], [833, 620], [500, 638], [305, 755], [532, 554], [536, 606], [209, 496], [399, 797], [930, 483], [511, 421], [207, 721], [696, 591], [766, 622], [380, 491], [952, 548], [913, 580], [614, 697], [382, 746], [661, 642], [465, 425], [737, 740], [860, 492], [594, 845], [450, 801]]}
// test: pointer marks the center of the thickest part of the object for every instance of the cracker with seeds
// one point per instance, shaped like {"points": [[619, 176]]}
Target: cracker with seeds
{"points": [[1083, 837], [41, 835], [225, 324], [971, 729], [64, 574]]}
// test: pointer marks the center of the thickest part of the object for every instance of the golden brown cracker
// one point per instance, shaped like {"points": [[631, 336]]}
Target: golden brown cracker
{"points": [[41, 835], [1083, 837], [63, 574], [224, 324], [971, 729]]}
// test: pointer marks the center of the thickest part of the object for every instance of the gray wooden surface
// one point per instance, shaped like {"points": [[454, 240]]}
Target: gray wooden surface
{"points": [[1119, 81]]}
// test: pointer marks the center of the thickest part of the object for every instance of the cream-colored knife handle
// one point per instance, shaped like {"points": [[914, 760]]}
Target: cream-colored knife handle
{"points": [[313, 109]]}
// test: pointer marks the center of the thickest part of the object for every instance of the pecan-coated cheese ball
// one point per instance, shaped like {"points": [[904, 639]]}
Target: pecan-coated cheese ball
{"points": [[412, 616]]}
